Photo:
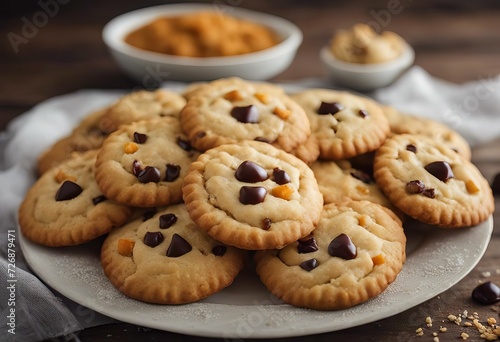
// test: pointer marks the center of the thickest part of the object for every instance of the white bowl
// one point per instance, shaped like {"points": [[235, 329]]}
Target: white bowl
{"points": [[366, 77], [149, 67]]}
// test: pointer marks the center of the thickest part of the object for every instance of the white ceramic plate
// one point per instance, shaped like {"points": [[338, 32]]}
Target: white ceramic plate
{"points": [[436, 260]]}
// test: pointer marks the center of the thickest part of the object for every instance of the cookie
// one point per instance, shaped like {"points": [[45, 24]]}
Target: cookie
{"points": [[143, 105], [345, 125], [355, 252], [252, 195], [432, 183], [87, 135], [340, 181], [167, 259], [143, 163], [403, 123], [232, 110], [66, 207]]}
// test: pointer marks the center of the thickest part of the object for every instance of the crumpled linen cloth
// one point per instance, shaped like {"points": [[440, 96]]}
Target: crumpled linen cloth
{"points": [[472, 109]]}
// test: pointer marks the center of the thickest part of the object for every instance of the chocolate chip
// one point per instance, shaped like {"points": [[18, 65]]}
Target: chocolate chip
{"points": [[487, 293], [178, 247], [136, 168], [429, 193], [172, 173], [184, 144], [495, 185], [362, 176], [308, 245], [219, 250], [68, 190], [309, 265], [411, 148], [266, 223], [167, 221], [250, 172], [153, 239], [363, 113], [329, 108], [149, 213], [252, 194], [149, 174], [342, 247], [441, 170], [247, 114], [140, 138], [415, 187], [280, 176], [98, 199]]}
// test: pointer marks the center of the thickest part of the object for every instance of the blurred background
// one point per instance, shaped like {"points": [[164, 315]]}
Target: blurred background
{"points": [[63, 52]]}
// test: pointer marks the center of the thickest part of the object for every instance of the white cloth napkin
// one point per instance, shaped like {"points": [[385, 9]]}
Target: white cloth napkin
{"points": [[473, 109]]}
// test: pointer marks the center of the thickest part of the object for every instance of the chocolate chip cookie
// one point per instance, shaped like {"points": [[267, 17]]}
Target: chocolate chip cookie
{"points": [[345, 125], [143, 163], [252, 195], [355, 252], [432, 183], [166, 259], [66, 207]]}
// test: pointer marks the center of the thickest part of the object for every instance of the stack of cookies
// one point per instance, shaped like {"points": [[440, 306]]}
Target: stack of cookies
{"points": [[317, 184]]}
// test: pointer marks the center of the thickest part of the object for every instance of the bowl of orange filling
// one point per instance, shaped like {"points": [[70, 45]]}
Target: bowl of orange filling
{"points": [[201, 42]]}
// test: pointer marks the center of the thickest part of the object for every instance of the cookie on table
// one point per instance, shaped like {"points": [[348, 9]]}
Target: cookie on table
{"points": [[143, 105], [339, 181], [143, 163], [355, 252], [167, 259], [87, 135], [66, 207], [430, 182], [345, 125], [232, 110], [408, 124], [252, 195]]}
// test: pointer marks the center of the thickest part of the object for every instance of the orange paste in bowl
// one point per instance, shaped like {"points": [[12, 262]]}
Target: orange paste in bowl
{"points": [[202, 34]]}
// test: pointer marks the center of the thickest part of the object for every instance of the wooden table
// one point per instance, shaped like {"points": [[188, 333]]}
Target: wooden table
{"points": [[455, 41]]}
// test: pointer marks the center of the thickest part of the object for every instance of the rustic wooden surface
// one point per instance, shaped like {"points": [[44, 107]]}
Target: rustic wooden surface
{"points": [[456, 41]]}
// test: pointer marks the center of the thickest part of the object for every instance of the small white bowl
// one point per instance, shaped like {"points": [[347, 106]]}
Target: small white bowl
{"points": [[147, 66], [366, 77]]}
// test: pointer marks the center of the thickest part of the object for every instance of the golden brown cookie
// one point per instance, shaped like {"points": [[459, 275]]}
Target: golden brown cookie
{"points": [[233, 110], [252, 195], [432, 183], [167, 259], [66, 207], [143, 163], [403, 123], [345, 125], [355, 252]]}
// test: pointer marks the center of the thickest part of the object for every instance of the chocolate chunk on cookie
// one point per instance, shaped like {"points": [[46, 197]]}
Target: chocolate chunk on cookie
{"points": [[167, 259], [355, 252], [66, 207], [252, 195]]}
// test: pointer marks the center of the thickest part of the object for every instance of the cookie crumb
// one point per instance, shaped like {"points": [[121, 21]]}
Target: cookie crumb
{"points": [[468, 324], [443, 329], [464, 336], [428, 320], [434, 334], [436, 339], [419, 332], [486, 274], [491, 321]]}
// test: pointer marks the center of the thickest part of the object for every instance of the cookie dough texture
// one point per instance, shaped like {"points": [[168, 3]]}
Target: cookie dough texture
{"points": [[359, 126], [51, 222], [148, 274], [211, 193], [464, 199], [335, 282]]}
